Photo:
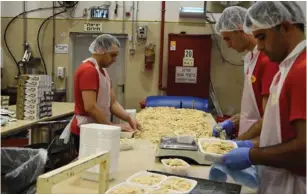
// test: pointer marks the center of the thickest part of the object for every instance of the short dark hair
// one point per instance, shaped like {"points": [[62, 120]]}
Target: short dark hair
{"points": [[301, 27]]}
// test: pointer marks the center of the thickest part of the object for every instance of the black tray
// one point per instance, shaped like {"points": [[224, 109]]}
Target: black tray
{"points": [[205, 186]]}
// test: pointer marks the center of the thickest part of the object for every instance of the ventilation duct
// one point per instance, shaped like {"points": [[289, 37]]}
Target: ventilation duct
{"points": [[195, 12]]}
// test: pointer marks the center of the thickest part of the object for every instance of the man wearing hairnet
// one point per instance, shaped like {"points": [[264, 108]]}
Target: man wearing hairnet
{"points": [[94, 97], [279, 30], [259, 72]]}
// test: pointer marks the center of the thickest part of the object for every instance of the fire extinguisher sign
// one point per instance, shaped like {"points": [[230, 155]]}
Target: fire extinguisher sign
{"points": [[186, 75]]}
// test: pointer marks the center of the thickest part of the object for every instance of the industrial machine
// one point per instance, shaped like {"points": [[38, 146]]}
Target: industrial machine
{"points": [[170, 148]]}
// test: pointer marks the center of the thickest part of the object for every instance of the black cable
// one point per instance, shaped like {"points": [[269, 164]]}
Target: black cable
{"points": [[7, 27], [220, 50], [71, 6], [38, 33], [73, 9]]}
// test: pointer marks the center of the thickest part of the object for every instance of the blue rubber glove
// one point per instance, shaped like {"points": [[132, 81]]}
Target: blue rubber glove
{"points": [[237, 159], [227, 125], [245, 144]]}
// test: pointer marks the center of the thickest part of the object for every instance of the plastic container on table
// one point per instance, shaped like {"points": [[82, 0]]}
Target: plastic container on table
{"points": [[144, 173], [177, 170], [192, 182], [129, 185], [213, 157]]}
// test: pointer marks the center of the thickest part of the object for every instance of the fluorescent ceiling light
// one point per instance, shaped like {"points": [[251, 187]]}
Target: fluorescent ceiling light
{"points": [[192, 9]]}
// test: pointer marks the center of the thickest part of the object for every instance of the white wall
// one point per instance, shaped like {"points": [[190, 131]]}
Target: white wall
{"points": [[148, 10]]}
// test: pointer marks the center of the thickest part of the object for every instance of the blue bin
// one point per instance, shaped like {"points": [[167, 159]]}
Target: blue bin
{"points": [[178, 102]]}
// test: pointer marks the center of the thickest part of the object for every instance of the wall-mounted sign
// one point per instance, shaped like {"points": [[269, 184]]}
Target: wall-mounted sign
{"points": [[61, 48], [92, 27], [188, 59], [173, 46], [188, 53], [186, 75]]}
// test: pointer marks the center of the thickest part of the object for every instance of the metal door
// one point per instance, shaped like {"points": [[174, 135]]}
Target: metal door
{"points": [[200, 45], [80, 43]]}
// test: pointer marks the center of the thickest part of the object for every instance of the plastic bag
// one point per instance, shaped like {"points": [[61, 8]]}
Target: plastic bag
{"points": [[247, 177], [20, 168]]}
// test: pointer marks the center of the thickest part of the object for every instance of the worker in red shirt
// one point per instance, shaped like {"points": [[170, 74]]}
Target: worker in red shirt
{"points": [[94, 97], [259, 72], [279, 29]]}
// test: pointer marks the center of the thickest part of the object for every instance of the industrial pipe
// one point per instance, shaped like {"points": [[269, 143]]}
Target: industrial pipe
{"points": [[53, 43], [161, 46], [124, 18], [25, 25]]}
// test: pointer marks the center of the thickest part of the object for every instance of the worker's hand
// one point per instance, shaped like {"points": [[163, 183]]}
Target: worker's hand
{"points": [[226, 125], [235, 119], [126, 128], [134, 124], [237, 159], [245, 144]]}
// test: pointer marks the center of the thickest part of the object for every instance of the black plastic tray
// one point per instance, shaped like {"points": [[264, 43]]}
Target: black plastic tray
{"points": [[205, 186]]}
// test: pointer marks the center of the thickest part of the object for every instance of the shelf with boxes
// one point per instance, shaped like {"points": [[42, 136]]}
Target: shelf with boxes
{"points": [[34, 97]]}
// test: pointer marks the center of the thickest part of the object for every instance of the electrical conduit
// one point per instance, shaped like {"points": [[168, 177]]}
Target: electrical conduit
{"points": [[161, 46]]}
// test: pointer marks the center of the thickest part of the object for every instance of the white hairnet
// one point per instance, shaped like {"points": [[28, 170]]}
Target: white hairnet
{"points": [[103, 43], [268, 14], [232, 19]]}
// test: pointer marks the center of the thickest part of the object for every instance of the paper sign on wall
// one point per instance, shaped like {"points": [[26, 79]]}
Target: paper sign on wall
{"points": [[186, 75], [61, 48], [188, 59], [173, 46], [188, 53], [92, 27]]}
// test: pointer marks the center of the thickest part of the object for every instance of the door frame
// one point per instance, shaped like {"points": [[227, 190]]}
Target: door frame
{"points": [[70, 78]]}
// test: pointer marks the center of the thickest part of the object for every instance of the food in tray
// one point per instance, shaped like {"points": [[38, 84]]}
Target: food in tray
{"points": [[126, 141], [159, 191], [147, 179], [167, 121], [217, 147], [177, 184], [175, 162], [125, 189]]}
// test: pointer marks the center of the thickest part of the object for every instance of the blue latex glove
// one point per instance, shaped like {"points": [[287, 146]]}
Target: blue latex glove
{"points": [[247, 177], [245, 144], [237, 159], [227, 125]]}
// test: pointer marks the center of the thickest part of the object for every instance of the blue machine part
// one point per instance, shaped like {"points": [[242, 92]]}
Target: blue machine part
{"points": [[178, 102]]}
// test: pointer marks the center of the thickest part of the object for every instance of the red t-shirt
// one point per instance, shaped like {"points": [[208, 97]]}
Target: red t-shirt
{"points": [[86, 78], [292, 101], [262, 77]]}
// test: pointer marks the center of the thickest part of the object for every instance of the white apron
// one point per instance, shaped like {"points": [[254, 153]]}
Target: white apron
{"points": [[103, 101], [277, 180], [249, 109]]}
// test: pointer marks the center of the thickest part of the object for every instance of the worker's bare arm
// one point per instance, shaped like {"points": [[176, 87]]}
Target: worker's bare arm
{"points": [[117, 109], [235, 119], [286, 155], [91, 107], [253, 132]]}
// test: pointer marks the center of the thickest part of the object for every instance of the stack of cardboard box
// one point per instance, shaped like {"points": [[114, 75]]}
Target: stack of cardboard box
{"points": [[5, 102], [34, 97]]}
